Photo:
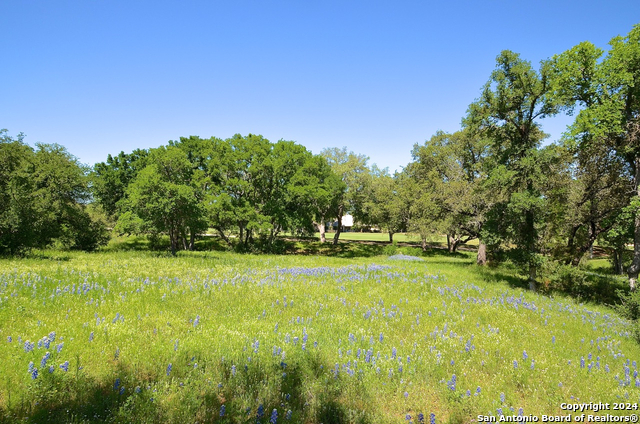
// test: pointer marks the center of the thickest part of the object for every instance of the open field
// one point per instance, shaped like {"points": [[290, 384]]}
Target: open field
{"points": [[221, 337]]}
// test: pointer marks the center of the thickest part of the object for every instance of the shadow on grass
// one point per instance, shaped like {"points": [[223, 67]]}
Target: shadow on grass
{"points": [[61, 397]]}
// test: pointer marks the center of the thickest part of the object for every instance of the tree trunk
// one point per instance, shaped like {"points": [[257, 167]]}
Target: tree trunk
{"points": [[174, 242], [635, 262], [453, 244], [448, 243], [390, 237], [481, 259], [192, 241], [339, 229], [424, 243], [321, 229]]}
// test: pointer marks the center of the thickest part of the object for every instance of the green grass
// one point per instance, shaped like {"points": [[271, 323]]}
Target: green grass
{"points": [[125, 315]]}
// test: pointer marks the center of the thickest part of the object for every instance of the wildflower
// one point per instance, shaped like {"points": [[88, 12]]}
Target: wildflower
{"points": [[553, 339], [91, 337], [532, 364], [30, 369], [222, 410], [288, 416], [169, 369], [582, 362], [478, 391], [260, 412], [137, 389], [421, 418], [122, 390], [515, 364], [196, 321], [233, 370], [274, 416], [65, 367], [432, 418], [406, 395], [59, 347], [9, 339], [502, 397], [524, 355], [34, 374]]}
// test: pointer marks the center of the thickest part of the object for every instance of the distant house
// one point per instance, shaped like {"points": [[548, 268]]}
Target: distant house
{"points": [[347, 223]]}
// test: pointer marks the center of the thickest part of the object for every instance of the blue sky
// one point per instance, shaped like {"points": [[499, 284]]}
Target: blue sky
{"points": [[100, 76]]}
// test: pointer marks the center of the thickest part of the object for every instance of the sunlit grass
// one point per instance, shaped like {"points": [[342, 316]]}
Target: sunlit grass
{"points": [[233, 329]]}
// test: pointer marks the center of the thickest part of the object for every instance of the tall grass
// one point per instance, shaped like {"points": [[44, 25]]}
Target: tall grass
{"points": [[221, 337]]}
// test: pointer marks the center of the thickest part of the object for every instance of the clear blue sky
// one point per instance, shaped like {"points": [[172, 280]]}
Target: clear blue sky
{"points": [[101, 76]]}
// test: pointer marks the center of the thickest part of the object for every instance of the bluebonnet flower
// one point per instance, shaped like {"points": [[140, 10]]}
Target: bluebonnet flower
{"points": [[532, 364], [9, 339], [288, 416], [582, 362], [260, 412], [381, 337], [393, 353], [116, 384], [432, 418], [222, 410], [169, 367], [553, 339], [520, 412], [515, 364], [34, 374], [196, 321], [43, 362], [477, 391], [122, 390], [502, 397], [137, 389], [30, 368], [65, 367], [452, 383], [406, 395], [274, 416], [233, 370], [51, 369], [421, 418], [59, 347], [91, 337], [524, 355], [499, 411], [175, 346]]}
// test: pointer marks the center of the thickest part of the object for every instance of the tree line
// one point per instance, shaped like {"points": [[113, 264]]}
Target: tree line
{"points": [[492, 180]]}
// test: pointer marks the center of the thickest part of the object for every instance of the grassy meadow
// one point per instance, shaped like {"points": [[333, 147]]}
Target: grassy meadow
{"points": [[349, 336]]}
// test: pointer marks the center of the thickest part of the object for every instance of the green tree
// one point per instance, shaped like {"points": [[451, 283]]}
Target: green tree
{"points": [[508, 113], [607, 126], [352, 169], [162, 199], [43, 198], [384, 202], [110, 179], [453, 164]]}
